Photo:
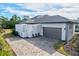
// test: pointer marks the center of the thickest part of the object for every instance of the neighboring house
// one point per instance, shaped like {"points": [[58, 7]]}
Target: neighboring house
{"points": [[55, 27]]}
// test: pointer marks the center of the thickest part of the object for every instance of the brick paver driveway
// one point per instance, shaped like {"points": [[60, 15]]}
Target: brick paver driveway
{"points": [[39, 46]]}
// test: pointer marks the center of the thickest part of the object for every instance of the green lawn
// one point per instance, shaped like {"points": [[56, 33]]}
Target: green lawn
{"points": [[5, 49], [59, 46]]}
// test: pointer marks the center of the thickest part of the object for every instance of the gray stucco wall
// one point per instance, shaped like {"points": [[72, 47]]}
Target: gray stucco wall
{"points": [[69, 31]]}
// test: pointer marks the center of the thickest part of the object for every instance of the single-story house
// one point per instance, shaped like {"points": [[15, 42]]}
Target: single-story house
{"points": [[55, 27]]}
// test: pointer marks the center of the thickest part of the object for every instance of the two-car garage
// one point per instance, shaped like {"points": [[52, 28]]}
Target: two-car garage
{"points": [[54, 33]]}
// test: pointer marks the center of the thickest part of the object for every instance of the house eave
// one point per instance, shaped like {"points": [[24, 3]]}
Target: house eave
{"points": [[51, 22]]}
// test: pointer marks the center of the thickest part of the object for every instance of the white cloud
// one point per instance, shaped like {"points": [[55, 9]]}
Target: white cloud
{"points": [[9, 9], [18, 12], [67, 5], [39, 6], [69, 10], [33, 6]]}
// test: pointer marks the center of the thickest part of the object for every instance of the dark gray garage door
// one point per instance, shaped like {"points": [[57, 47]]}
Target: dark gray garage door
{"points": [[54, 33]]}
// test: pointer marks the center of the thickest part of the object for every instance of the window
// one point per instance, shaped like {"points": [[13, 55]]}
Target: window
{"points": [[77, 26]]}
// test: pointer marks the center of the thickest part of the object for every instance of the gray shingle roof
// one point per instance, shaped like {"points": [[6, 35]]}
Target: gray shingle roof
{"points": [[47, 18], [50, 19]]}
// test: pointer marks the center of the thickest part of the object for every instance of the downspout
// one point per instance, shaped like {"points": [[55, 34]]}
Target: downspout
{"points": [[66, 32]]}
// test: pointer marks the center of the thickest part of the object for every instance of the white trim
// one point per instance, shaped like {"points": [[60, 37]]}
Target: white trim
{"points": [[73, 29]]}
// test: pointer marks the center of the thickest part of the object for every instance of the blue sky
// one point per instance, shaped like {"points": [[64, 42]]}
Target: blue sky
{"points": [[33, 9]]}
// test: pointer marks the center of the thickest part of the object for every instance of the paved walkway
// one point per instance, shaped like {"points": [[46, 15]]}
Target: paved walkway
{"points": [[32, 47]]}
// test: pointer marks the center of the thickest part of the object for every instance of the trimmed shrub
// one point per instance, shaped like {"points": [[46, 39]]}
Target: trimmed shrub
{"points": [[15, 33]]}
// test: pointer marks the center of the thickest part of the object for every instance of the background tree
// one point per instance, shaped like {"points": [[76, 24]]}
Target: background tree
{"points": [[25, 18], [14, 20], [6, 23], [3, 21]]}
